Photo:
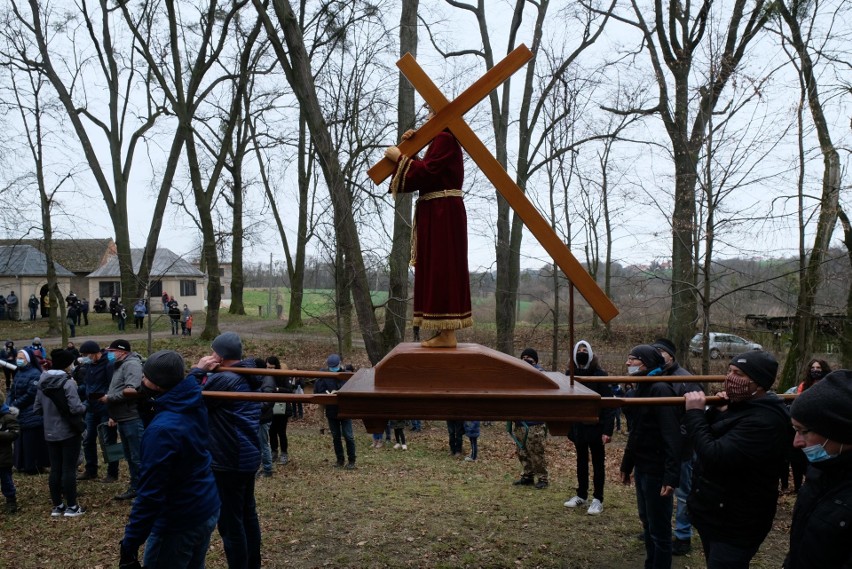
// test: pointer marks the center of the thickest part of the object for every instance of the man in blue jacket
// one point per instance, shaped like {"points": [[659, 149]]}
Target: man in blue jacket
{"points": [[95, 375], [177, 504], [235, 447]]}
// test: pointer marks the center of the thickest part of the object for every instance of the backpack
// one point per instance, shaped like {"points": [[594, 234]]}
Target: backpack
{"points": [[57, 395]]}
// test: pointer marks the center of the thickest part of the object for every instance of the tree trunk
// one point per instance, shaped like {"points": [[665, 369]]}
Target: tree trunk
{"points": [[396, 308], [802, 342], [297, 68], [297, 275], [237, 233], [846, 338]]}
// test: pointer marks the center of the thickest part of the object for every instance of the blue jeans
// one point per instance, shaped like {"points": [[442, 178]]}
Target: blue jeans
{"points": [[63, 470], [7, 485], [656, 511], [96, 415], [131, 442], [720, 555], [238, 523], [683, 527], [342, 427], [265, 448], [184, 549]]}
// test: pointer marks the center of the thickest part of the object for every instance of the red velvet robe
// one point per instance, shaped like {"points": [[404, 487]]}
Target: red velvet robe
{"points": [[441, 278]]}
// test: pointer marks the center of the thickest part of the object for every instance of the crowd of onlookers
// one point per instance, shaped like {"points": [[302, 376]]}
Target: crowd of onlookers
{"points": [[716, 468], [77, 311]]}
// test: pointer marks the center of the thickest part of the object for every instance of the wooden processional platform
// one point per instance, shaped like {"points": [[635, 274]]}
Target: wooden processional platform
{"points": [[469, 382]]}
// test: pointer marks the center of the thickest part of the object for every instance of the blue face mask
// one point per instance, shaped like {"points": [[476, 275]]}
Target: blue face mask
{"points": [[21, 363], [86, 360], [817, 453], [110, 356]]}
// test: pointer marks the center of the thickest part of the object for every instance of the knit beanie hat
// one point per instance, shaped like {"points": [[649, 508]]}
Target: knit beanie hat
{"points": [[648, 355], [529, 352], [761, 367], [665, 345], [164, 368], [826, 407], [228, 345], [333, 361], [61, 359], [89, 347]]}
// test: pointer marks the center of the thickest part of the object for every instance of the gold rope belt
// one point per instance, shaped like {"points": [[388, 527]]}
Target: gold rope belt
{"points": [[423, 198]]}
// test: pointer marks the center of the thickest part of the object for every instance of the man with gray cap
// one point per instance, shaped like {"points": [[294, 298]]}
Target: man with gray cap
{"points": [[177, 503], [653, 450], [740, 448], [821, 535], [124, 412], [235, 448]]}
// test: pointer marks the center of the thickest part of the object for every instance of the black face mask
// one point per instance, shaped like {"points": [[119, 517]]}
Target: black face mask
{"points": [[816, 374], [582, 358], [147, 392]]}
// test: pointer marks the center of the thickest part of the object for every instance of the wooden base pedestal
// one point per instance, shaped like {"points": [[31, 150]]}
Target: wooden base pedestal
{"points": [[468, 382]]}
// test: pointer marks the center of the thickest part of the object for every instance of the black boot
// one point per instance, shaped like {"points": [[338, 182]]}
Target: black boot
{"points": [[11, 505]]}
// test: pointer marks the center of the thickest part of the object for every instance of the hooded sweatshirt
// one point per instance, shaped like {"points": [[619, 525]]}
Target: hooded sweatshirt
{"points": [[56, 427], [606, 419]]}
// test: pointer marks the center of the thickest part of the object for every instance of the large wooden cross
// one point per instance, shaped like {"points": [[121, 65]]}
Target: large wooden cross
{"points": [[449, 115]]}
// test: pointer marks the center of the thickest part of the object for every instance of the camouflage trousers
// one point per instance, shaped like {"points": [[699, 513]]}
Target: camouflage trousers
{"points": [[530, 448]]}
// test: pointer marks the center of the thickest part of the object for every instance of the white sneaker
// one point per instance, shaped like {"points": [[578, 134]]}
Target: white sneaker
{"points": [[596, 508], [404, 447], [574, 502], [397, 446]]}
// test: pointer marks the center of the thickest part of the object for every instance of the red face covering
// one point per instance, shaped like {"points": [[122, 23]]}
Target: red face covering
{"points": [[736, 388]]}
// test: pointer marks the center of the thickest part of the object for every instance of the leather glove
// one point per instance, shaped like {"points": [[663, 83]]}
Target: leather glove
{"points": [[129, 557]]}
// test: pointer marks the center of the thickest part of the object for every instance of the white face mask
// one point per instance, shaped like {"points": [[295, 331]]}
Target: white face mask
{"points": [[633, 369]]}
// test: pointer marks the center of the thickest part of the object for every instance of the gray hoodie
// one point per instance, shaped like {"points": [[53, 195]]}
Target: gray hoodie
{"points": [[128, 373], [56, 427]]}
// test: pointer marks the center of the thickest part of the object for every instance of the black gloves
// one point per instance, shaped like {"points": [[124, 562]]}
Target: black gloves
{"points": [[129, 557]]}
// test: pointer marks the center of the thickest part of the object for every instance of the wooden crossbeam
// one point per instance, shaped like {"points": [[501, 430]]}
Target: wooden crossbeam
{"points": [[450, 115]]}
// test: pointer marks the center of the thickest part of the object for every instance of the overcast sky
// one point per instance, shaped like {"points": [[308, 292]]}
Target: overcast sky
{"points": [[640, 176]]}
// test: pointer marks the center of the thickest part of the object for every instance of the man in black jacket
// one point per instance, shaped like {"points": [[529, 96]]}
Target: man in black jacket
{"points": [[653, 449], [821, 535], [338, 427], [683, 527], [739, 449]]}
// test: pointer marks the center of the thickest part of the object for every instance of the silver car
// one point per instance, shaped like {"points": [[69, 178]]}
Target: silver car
{"points": [[723, 345]]}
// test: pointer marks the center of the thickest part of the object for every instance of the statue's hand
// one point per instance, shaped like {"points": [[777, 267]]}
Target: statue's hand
{"points": [[392, 153]]}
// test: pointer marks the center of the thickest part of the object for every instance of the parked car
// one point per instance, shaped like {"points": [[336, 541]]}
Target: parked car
{"points": [[723, 345]]}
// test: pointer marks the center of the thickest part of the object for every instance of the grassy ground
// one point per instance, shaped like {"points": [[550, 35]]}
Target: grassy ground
{"points": [[420, 508]]}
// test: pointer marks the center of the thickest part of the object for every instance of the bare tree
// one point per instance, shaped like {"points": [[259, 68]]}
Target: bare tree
{"points": [[297, 67], [396, 308], [28, 87], [672, 40], [123, 125], [200, 39], [802, 342]]}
